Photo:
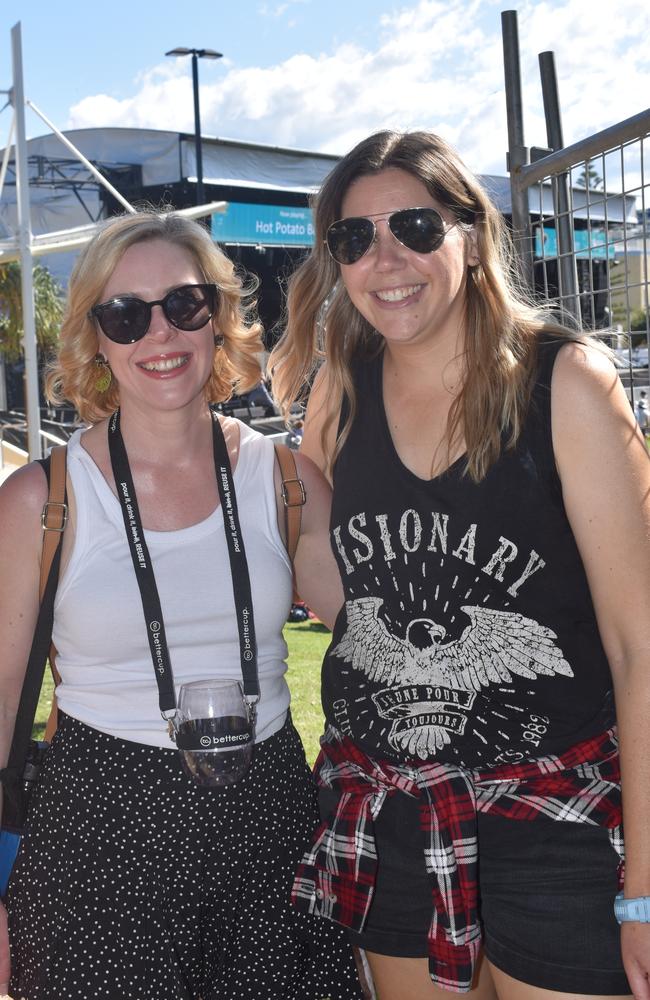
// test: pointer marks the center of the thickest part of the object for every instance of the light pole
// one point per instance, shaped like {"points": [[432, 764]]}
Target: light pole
{"points": [[196, 55]]}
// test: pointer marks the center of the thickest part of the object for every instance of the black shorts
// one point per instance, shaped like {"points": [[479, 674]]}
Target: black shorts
{"points": [[546, 898]]}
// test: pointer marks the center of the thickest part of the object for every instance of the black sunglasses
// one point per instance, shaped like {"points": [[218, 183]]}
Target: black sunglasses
{"points": [[126, 319], [420, 229]]}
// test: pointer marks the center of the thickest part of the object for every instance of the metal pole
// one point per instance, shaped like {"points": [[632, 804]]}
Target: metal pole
{"points": [[3, 385], [3, 172], [82, 159], [7, 153], [517, 151], [197, 130], [32, 402], [594, 145], [567, 269]]}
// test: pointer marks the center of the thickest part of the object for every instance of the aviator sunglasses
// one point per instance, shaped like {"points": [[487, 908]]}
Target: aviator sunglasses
{"points": [[126, 318], [419, 229]]}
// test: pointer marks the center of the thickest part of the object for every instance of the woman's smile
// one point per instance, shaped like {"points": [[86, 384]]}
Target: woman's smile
{"points": [[166, 365], [403, 294]]}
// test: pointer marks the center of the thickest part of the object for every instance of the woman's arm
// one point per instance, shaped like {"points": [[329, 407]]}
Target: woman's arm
{"points": [[22, 498], [319, 408], [317, 576], [604, 467]]}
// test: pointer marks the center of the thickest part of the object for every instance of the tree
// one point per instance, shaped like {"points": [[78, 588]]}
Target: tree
{"points": [[589, 178], [48, 310], [639, 319]]}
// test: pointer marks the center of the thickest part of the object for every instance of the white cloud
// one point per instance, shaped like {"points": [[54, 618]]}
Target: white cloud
{"points": [[438, 65], [278, 9]]}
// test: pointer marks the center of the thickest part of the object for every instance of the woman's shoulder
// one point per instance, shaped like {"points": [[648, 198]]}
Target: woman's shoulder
{"points": [[242, 436], [22, 497], [591, 414], [250, 451], [81, 440], [586, 369], [567, 362]]}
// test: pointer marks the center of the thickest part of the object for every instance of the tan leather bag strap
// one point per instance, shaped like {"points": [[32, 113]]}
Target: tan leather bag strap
{"points": [[293, 496], [53, 520], [55, 514]]}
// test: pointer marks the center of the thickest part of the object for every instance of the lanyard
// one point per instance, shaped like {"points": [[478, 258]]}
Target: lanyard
{"points": [[146, 579]]}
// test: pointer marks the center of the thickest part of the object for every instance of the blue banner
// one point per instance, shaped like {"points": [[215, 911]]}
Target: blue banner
{"points": [[267, 225], [587, 243]]}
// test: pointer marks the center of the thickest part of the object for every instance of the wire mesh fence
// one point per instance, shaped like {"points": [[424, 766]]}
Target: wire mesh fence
{"points": [[589, 210]]}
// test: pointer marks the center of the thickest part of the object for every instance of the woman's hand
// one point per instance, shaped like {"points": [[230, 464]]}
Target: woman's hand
{"points": [[635, 945], [5, 967]]}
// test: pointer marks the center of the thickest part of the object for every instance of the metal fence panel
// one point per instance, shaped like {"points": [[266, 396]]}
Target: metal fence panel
{"points": [[607, 213], [581, 218]]}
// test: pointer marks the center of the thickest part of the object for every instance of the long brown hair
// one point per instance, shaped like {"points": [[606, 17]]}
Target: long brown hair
{"points": [[502, 324]]}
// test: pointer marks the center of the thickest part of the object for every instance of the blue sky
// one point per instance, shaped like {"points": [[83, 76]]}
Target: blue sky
{"points": [[321, 74]]}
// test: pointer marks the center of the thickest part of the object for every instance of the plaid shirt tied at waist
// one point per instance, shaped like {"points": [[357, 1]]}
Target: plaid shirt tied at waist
{"points": [[336, 877]]}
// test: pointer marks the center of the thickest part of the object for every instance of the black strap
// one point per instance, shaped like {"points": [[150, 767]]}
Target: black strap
{"points": [[241, 584], [147, 581], [142, 566], [36, 663]]}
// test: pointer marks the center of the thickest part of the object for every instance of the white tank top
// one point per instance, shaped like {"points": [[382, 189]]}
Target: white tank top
{"points": [[107, 676]]}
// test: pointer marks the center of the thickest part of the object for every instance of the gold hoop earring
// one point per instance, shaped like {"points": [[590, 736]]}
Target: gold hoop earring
{"points": [[104, 375]]}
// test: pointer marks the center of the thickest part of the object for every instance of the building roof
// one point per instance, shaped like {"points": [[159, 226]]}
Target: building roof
{"points": [[64, 195]]}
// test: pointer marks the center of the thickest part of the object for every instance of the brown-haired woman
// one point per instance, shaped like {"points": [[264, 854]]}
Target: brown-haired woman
{"points": [[491, 521], [134, 881]]}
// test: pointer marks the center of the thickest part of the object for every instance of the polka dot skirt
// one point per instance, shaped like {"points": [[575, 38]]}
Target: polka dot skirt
{"points": [[135, 884]]}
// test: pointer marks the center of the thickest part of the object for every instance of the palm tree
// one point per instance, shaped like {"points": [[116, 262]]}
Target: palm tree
{"points": [[48, 310]]}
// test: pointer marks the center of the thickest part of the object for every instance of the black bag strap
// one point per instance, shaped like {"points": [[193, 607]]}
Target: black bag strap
{"points": [[52, 528]]}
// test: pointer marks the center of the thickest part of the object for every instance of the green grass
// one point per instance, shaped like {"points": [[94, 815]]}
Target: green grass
{"points": [[307, 642], [43, 709]]}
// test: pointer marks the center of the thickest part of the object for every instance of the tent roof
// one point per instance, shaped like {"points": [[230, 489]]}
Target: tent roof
{"points": [[64, 197], [167, 157]]}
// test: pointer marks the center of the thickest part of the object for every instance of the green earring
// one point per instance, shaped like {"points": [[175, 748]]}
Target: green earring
{"points": [[104, 374]]}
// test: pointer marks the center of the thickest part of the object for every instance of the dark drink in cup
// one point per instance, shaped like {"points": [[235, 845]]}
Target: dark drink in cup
{"points": [[213, 732], [215, 751]]}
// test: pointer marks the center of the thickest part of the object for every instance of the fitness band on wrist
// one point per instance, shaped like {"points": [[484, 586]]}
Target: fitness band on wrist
{"points": [[632, 909]]}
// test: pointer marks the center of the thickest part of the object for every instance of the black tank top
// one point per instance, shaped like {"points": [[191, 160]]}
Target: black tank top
{"points": [[468, 635]]}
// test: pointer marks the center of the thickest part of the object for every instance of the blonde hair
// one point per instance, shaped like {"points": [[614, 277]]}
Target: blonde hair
{"points": [[72, 375], [502, 324]]}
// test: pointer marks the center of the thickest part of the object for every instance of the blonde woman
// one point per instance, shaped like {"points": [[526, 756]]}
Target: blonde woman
{"points": [[133, 880], [491, 522]]}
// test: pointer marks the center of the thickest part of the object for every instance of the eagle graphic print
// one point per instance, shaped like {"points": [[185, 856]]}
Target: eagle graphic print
{"points": [[431, 684]]}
